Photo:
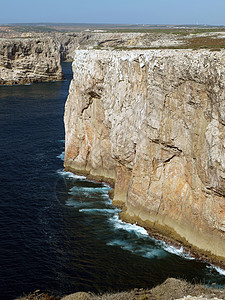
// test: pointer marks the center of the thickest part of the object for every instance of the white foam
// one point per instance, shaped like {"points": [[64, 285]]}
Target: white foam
{"points": [[118, 224], [77, 189], [140, 231], [61, 156], [104, 198], [147, 251], [173, 250], [105, 211], [70, 175], [78, 204], [106, 185], [219, 270]]}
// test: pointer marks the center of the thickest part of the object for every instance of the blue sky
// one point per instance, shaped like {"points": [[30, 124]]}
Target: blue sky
{"points": [[210, 12]]}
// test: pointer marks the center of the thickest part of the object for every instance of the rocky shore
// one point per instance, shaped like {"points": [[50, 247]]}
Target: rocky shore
{"points": [[149, 122]]}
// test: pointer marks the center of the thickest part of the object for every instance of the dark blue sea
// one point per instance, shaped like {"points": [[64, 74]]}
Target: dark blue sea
{"points": [[59, 232]]}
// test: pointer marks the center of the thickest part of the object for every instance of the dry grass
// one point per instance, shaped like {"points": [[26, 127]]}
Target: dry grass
{"points": [[194, 42], [206, 42], [38, 295], [170, 289]]}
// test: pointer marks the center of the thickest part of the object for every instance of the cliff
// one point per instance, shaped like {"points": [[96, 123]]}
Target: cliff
{"points": [[36, 57], [152, 122], [106, 40], [27, 60]]}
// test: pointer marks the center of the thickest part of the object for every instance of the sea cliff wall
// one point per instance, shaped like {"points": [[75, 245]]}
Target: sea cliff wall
{"points": [[152, 122], [27, 60]]}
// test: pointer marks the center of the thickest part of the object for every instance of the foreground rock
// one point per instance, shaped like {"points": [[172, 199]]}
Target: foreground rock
{"points": [[29, 60], [170, 289], [152, 122]]}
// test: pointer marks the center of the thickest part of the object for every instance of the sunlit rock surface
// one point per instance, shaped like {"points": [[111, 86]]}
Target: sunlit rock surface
{"points": [[153, 122], [28, 60]]}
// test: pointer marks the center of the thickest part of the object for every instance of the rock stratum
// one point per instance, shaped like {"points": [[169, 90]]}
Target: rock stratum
{"points": [[152, 122], [33, 56], [28, 60], [36, 57]]}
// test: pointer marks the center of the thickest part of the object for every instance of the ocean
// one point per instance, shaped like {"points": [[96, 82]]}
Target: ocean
{"points": [[59, 232]]}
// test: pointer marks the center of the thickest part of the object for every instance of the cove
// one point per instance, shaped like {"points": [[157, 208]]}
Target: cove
{"points": [[59, 232]]}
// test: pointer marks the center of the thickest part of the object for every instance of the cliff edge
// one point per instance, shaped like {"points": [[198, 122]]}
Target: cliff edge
{"points": [[152, 122], [27, 60]]}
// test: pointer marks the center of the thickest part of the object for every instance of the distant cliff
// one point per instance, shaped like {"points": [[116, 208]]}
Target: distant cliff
{"points": [[28, 60], [152, 122], [35, 57]]}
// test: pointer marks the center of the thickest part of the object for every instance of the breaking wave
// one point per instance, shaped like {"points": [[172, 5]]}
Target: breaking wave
{"points": [[105, 211], [118, 224], [78, 189], [147, 251], [70, 175], [174, 250], [61, 156], [217, 269], [91, 198]]}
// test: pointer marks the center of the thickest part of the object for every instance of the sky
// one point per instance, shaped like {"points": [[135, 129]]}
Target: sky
{"points": [[210, 12]]}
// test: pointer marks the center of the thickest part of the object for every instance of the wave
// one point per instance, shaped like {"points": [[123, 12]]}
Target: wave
{"points": [[61, 156], [70, 175], [118, 224], [159, 248], [105, 211], [147, 251], [141, 232], [78, 204], [177, 251], [61, 141], [78, 189], [217, 269]]}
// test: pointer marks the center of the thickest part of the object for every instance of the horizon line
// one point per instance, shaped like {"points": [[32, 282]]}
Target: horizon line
{"points": [[108, 24]]}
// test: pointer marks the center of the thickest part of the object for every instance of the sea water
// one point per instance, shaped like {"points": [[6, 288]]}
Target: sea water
{"points": [[58, 231]]}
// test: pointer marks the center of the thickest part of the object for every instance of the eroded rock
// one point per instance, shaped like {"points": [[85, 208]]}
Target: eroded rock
{"points": [[153, 121], [29, 60]]}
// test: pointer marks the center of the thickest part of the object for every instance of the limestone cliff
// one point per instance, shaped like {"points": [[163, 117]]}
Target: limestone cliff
{"points": [[153, 122], [108, 40], [29, 60]]}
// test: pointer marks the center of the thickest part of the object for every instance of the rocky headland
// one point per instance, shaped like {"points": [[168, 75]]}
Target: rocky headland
{"points": [[37, 57], [27, 60], [151, 122], [30, 54]]}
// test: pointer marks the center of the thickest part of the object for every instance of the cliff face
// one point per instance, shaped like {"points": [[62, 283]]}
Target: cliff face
{"points": [[153, 122], [29, 60]]}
